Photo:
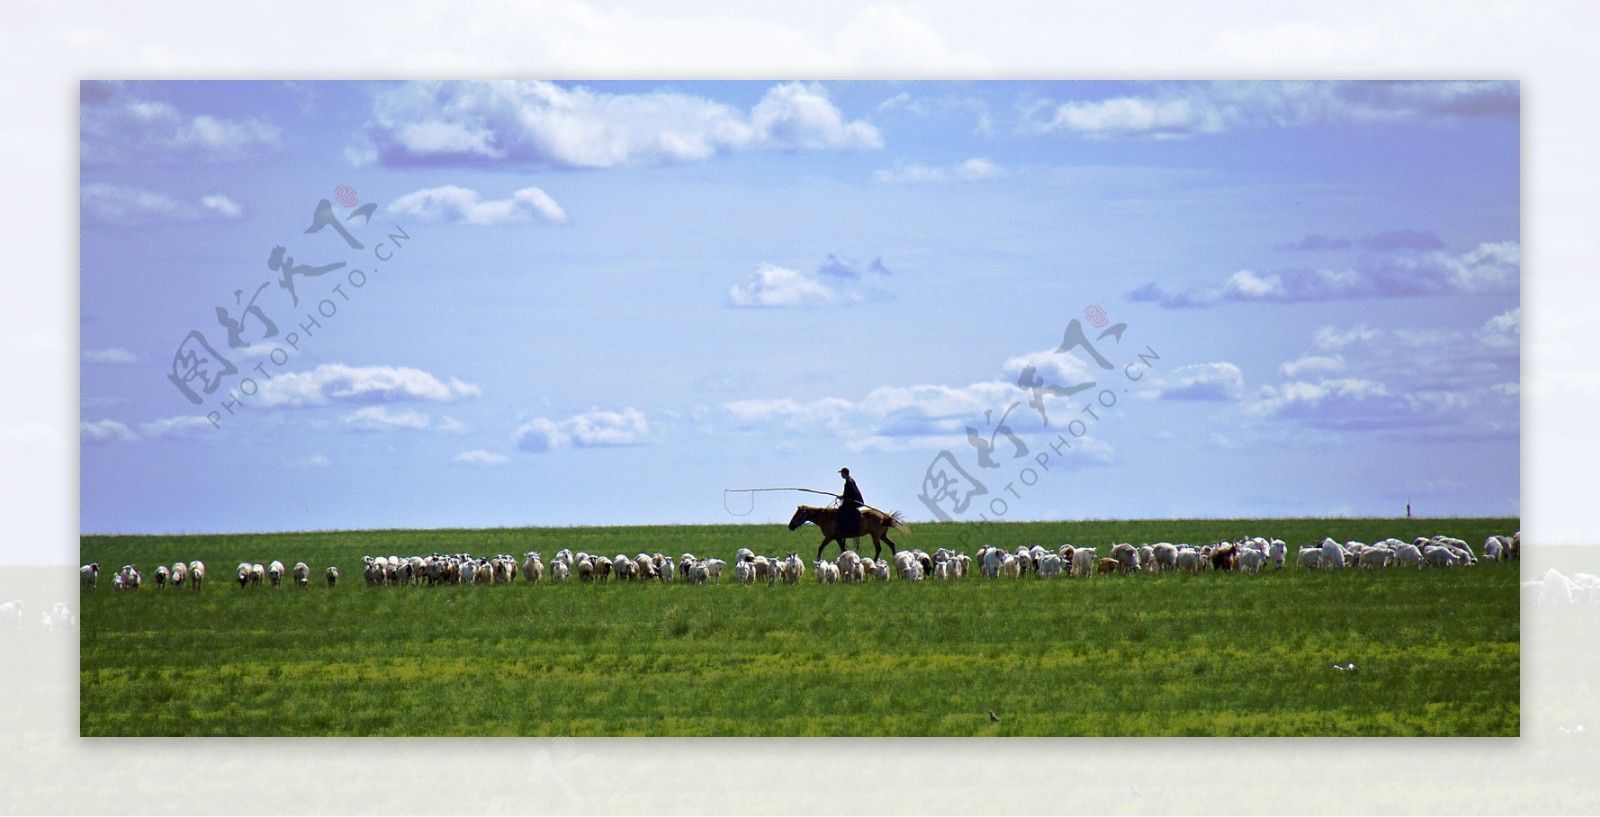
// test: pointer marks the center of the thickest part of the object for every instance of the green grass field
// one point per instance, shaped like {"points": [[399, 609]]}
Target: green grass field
{"points": [[1437, 651]]}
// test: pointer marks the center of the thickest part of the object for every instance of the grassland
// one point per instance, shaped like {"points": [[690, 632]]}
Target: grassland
{"points": [[1437, 652]]}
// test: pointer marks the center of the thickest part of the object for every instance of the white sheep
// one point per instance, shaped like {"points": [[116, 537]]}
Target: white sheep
{"points": [[332, 576], [275, 572], [302, 574], [697, 573], [180, 574], [745, 571], [1277, 550], [1083, 561], [533, 568], [1251, 560], [1165, 555], [991, 558], [197, 574], [1051, 566], [1127, 556], [161, 575], [1187, 560], [89, 575], [1333, 555], [1375, 557]]}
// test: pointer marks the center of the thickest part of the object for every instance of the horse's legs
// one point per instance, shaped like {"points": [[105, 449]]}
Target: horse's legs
{"points": [[886, 538], [877, 547], [824, 546]]}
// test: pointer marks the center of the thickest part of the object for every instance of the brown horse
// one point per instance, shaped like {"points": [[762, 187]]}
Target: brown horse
{"points": [[873, 523]]}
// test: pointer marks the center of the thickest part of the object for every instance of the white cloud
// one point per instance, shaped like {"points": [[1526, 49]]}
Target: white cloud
{"points": [[481, 457], [1401, 271], [971, 170], [1132, 115], [836, 281], [1502, 331], [118, 128], [1329, 337], [221, 206], [772, 285], [109, 356], [897, 418], [542, 124], [378, 418], [115, 206], [182, 426], [337, 383], [1204, 381], [1247, 284], [1179, 110], [1432, 382], [459, 205], [1312, 364], [593, 429], [105, 431]]}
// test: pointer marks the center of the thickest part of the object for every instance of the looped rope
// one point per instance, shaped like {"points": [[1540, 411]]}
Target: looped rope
{"points": [[732, 512]]}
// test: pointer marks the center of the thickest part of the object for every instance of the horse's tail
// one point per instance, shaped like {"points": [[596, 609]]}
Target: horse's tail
{"points": [[898, 522]]}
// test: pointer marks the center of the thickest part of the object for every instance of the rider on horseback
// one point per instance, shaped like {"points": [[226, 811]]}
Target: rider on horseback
{"points": [[848, 519]]}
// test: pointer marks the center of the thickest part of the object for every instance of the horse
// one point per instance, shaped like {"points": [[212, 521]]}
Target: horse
{"points": [[873, 523]]}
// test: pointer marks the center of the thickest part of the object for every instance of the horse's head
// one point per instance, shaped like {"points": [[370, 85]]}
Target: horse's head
{"points": [[802, 515]]}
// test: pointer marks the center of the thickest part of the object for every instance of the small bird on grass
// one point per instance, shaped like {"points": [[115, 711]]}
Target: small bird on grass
{"points": [[993, 718]]}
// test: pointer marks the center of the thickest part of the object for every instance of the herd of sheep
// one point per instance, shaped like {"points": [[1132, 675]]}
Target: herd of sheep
{"points": [[1248, 555]]}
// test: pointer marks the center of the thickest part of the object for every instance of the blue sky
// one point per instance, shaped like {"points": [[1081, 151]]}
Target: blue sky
{"points": [[618, 299]]}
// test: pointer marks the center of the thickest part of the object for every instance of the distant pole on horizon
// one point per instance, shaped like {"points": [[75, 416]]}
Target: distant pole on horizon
{"points": [[1408, 510]]}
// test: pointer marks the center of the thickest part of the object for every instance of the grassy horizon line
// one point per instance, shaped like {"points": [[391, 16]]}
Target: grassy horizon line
{"points": [[974, 523]]}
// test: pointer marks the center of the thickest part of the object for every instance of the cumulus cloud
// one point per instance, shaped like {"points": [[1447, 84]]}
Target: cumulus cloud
{"points": [[379, 418], [116, 127], [116, 206], [1491, 267], [592, 429], [1440, 381], [333, 383], [835, 281], [459, 205], [971, 170], [105, 431], [542, 124], [481, 457], [116, 357], [1179, 110], [1502, 331], [182, 426], [898, 418], [1204, 381], [1312, 364]]}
